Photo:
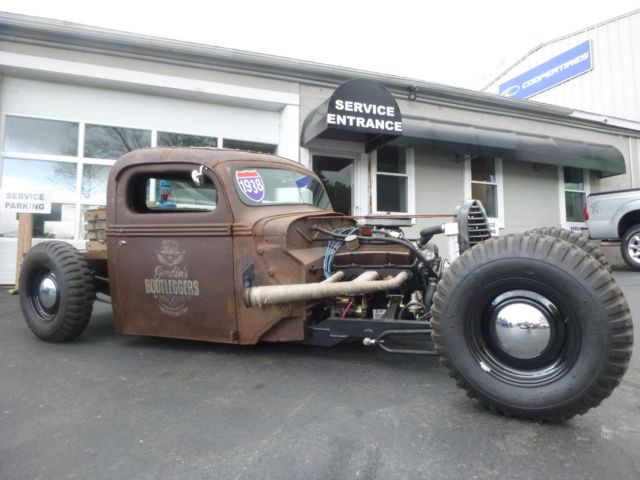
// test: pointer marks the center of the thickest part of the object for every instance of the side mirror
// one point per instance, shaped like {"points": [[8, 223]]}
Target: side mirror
{"points": [[197, 176]]}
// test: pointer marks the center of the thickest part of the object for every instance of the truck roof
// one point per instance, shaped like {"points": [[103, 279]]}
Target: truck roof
{"points": [[208, 156]]}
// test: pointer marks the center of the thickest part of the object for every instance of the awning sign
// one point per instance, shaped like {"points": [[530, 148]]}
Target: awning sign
{"points": [[559, 69], [20, 201], [364, 106]]}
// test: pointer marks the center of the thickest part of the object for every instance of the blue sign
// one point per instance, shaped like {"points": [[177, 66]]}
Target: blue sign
{"points": [[565, 66]]}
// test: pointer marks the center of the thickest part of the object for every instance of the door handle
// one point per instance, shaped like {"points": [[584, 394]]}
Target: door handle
{"points": [[122, 243]]}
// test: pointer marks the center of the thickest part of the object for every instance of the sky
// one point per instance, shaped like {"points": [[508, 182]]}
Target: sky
{"points": [[463, 43]]}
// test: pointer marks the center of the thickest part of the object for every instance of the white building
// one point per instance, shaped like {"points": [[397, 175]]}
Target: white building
{"points": [[74, 98]]}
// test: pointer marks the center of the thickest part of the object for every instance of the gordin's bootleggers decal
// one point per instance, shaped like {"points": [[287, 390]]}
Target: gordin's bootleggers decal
{"points": [[170, 284]]}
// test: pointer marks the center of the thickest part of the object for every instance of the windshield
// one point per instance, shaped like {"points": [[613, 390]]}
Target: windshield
{"points": [[276, 186]]}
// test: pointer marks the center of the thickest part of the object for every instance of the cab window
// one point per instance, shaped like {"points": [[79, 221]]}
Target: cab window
{"points": [[172, 193]]}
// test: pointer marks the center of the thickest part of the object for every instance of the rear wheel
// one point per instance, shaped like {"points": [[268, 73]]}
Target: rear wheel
{"points": [[630, 247], [56, 291], [532, 326], [574, 238]]}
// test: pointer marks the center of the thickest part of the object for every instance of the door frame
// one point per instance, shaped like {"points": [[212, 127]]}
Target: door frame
{"points": [[360, 187]]}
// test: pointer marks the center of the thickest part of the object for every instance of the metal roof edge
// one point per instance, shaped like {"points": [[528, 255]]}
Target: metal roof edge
{"points": [[72, 36]]}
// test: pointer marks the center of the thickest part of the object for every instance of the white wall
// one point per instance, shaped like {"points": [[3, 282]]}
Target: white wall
{"points": [[126, 109]]}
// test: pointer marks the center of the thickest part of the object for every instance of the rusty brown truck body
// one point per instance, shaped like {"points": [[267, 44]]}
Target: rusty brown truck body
{"points": [[236, 247]]}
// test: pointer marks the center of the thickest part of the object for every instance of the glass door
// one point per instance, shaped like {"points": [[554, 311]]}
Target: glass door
{"points": [[336, 174]]}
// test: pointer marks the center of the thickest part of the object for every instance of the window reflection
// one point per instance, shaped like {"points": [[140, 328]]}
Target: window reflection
{"points": [[392, 193], [250, 146], [40, 175], [168, 139], [488, 195], [483, 169], [392, 160], [94, 183], [59, 224], [34, 135], [112, 142], [574, 204], [336, 175], [573, 178]]}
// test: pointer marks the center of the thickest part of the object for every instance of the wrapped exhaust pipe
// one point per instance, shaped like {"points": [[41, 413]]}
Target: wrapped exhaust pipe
{"points": [[332, 287]]}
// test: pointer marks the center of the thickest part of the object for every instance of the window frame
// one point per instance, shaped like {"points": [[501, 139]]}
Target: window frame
{"points": [[498, 221], [586, 180], [411, 183]]}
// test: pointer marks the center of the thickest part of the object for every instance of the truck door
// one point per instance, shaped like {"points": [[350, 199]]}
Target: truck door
{"points": [[170, 254]]}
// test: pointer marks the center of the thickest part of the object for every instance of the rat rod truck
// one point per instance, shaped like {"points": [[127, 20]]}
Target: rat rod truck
{"points": [[235, 247]]}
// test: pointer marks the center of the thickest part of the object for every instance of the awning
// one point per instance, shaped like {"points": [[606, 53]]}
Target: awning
{"points": [[365, 112], [511, 145], [358, 111]]}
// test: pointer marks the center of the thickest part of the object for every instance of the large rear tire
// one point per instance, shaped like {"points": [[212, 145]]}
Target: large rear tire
{"points": [[574, 238], [56, 291], [532, 326]]}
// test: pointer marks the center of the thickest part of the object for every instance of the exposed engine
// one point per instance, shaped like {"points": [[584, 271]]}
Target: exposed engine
{"points": [[373, 272], [413, 298]]}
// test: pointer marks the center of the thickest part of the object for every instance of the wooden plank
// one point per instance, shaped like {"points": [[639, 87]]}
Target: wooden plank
{"points": [[25, 239], [94, 245], [94, 214], [92, 225], [99, 235]]}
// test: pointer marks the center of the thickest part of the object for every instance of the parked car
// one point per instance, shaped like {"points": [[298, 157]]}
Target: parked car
{"points": [[616, 216]]}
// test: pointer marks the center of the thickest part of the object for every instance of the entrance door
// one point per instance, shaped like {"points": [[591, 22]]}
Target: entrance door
{"points": [[336, 174]]}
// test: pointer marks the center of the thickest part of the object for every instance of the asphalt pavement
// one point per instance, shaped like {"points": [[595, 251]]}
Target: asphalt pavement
{"points": [[109, 406]]}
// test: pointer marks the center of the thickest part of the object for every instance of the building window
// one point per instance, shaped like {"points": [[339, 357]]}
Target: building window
{"points": [[250, 146], [393, 167], [483, 181], [101, 141], [169, 139], [35, 135], [574, 190]]}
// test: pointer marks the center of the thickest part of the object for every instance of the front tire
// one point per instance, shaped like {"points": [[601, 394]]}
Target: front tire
{"points": [[56, 291], [532, 326], [630, 247]]}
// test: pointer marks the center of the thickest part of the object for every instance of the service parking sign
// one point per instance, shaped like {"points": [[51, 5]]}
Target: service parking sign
{"points": [[20, 201]]}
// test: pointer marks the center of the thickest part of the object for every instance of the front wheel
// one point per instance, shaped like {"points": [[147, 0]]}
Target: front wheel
{"points": [[532, 326], [56, 291], [630, 247]]}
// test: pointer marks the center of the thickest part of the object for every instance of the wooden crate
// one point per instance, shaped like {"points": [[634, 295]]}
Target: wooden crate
{"points": [[95, 228]]}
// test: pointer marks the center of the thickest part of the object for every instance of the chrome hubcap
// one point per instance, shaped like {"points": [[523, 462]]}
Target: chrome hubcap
{"points": [[48, 292], [522, 329], [633, 247]]}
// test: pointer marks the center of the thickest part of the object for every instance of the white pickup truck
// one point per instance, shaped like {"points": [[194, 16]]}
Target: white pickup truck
{"points": [[616, 215]]}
